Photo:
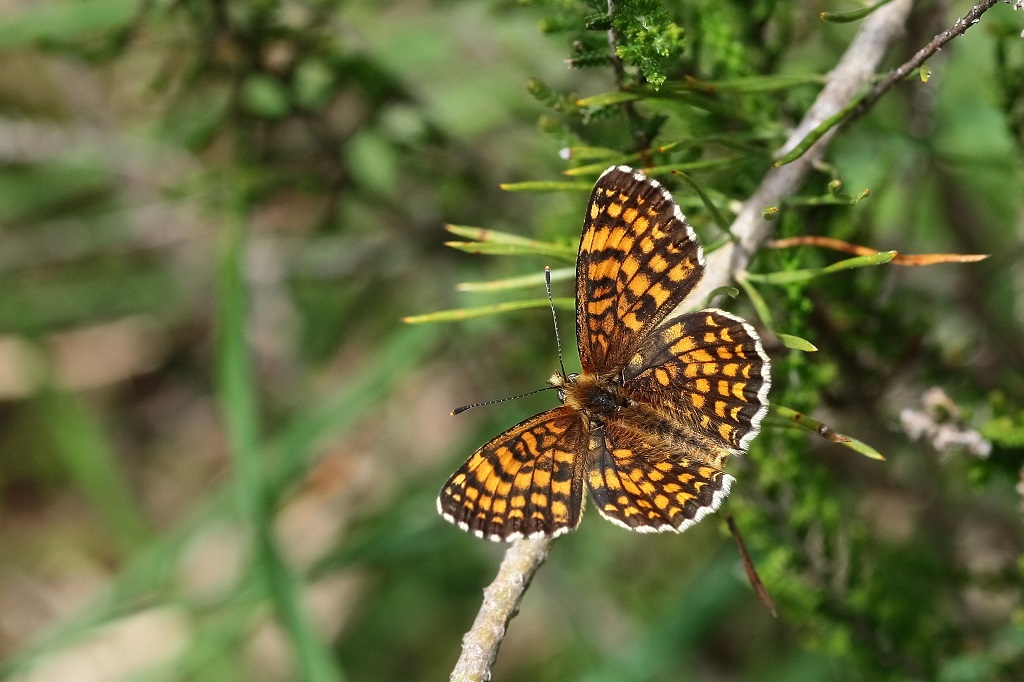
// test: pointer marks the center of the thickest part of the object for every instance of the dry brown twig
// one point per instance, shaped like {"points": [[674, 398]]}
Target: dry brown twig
{"points": [[750, 230]]}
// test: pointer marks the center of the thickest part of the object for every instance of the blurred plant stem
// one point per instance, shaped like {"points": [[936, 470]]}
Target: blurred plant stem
{"points": [[238, 405]]}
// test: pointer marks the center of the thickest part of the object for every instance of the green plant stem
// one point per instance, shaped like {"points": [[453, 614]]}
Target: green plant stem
{"points": [[237, 397]]}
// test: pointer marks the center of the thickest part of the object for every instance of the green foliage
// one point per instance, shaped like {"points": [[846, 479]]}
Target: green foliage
{"points": [[650, 41]]}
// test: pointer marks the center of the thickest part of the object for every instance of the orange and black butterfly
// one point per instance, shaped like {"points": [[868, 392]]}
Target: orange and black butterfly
{"points": [[659, 406]]}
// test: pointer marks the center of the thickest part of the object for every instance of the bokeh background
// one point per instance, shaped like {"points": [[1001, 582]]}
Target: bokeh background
{"points": [[220, 445]]}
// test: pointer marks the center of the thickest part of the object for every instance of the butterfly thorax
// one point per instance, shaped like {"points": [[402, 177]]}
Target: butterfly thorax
{"points": [[595, 397]]}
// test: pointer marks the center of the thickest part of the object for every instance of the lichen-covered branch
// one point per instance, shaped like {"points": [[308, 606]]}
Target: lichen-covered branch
{"points": [[501, 603]]}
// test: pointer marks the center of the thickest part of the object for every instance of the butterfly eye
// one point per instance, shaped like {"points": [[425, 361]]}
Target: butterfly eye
{"points": [[573, 376]]}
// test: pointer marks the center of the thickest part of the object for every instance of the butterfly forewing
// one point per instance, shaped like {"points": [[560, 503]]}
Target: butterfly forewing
{"points": [[526, 482], [710, 367], [649, 486], [638, 259]]}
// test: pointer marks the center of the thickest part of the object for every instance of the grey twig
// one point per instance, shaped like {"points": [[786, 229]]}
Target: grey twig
{"points": [[845, 82], [854, 71], [501, 603], [933, 46]]}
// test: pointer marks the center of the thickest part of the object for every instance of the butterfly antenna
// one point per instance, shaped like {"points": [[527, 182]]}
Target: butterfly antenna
{"points": [[554, 317], [460, 410]]}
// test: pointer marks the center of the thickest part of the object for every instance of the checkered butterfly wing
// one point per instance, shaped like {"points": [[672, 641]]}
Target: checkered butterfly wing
{"points": [[650, 486], [710, 371], [638, 260], [526, 482]]}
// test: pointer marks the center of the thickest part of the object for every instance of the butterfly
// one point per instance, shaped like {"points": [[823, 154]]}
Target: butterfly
{"points": [[660, 404]]}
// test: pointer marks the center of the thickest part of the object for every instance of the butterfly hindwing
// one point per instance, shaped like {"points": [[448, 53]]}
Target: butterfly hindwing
{"points": [[526, 482], [638, 259], [709, 367], [647, 486]]}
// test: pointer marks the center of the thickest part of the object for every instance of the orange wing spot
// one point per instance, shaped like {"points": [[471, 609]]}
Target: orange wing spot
{"points": [[738, 349], [724, 353], [616, 237], [499, 506], [646, 245], [672, 487], [690, 371], [614, 209], [516, 514], [517, 501], [641, 502], [542, 478], [683, 498], [563, 488], [485, 503], [660, 501], [640, 225], [723, 387], [663, 466], [737, 390], [595, 211], [559, 510], [730, 369], [630, 511], [709, 368], [539, 499], [459, 481], [705, 421], [647, 487], [530, 440], [472, 493], [613, 482], [484, 471], [736, 412], [475, 461], [538, 515], [600, 238], [599, 307], [629, 215], [632, 322], [725, 431], [623, 197], [701, 355], [657, 263], [659, 293], [630, 266], [746, 371], [662, 376], [709, 320], [710, 337], [623, 500], [720, 409], [707, 473], [639, 284], [703, 385], [697, 400], [609, 507], [683, 345], [680, 272], [655, 475], [726, 336]]}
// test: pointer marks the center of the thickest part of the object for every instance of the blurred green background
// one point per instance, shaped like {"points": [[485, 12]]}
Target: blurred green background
{"points": [[220, 445]]}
